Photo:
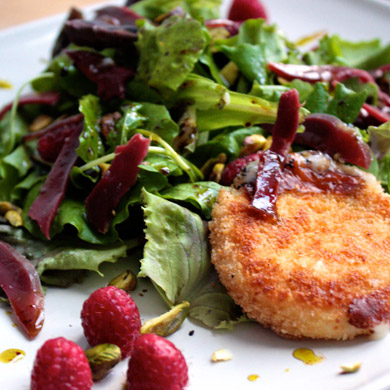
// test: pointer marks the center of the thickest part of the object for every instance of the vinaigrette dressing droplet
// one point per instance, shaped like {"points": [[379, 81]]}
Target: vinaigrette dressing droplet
{"points": [[307, 356], [11, 355]]}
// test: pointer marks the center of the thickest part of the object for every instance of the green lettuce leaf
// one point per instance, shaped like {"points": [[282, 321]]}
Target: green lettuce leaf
{"points": [[201, 195], [169, 52], [63, 264], [268, 92], [176, 259], [380, 139], [215, 308], [199, 9], [176, 252], [218, 108]]}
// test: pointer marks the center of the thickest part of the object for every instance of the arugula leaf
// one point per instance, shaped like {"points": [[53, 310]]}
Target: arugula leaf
{"points": [[158, 120], [378, 58], [20, 129], [169, 52], [71, 212], [12, 169], [201, 195], [256, 44], [23, 186], [176, 254], [67, 78], [346, 104], [372, 89], [126, 126], [91, 146], [334, 50], [199, 9], [318, 99], [228, 142]]}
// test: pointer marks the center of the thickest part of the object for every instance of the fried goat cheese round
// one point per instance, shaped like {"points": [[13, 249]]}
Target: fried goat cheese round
{"points": [[320, 270]]}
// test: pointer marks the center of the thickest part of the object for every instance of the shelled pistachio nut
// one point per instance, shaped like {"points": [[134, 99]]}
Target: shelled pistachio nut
{"points": [[126, 281], [102, 358], [167, 323]]}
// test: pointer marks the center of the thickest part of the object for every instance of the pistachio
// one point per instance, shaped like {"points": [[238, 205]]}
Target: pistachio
{"points": [[350, 368], [230, 72], [268, 143], [40, 122], [126, 281], [167, 323], [222, 355], [7, 206], [14, 218], [218, 33], [104, 167], [209, 164], [102, 358], [216, 173], [252, 144]]}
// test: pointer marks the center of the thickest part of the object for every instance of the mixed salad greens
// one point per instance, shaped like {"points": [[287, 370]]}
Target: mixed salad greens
{"points": [[121, 147]]}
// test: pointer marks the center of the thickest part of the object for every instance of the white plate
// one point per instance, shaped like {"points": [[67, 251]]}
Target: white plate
{"points": [[23, 51]]}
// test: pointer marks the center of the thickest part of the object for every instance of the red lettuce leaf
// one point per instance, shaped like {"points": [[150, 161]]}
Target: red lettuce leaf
{"points": [[122, 16], [45, 206], [21, 284], [110, 79], [62, 40], [230, 25], [45, 98], [116, 182], [100, 35], [271, 161], [51, 138], [329, 134]]}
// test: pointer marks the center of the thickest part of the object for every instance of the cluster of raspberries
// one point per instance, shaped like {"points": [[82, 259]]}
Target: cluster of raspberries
{"points": [[110, 315]]}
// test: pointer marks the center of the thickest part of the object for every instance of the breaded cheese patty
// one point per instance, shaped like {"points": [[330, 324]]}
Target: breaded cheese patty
{"points": [[322, 270]]}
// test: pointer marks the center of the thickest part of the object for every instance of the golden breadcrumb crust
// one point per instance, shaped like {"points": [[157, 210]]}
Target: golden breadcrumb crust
{"points": [[322, 271]]}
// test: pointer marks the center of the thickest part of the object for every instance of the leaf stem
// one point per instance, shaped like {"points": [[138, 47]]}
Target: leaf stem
{"points": [[11, 140], [192, 171], [111, 156]]}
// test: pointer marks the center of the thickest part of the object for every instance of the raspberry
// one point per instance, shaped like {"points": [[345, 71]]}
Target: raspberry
{"points": [[242, 10], [110, 315], [156, 364], [61, 364]]}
